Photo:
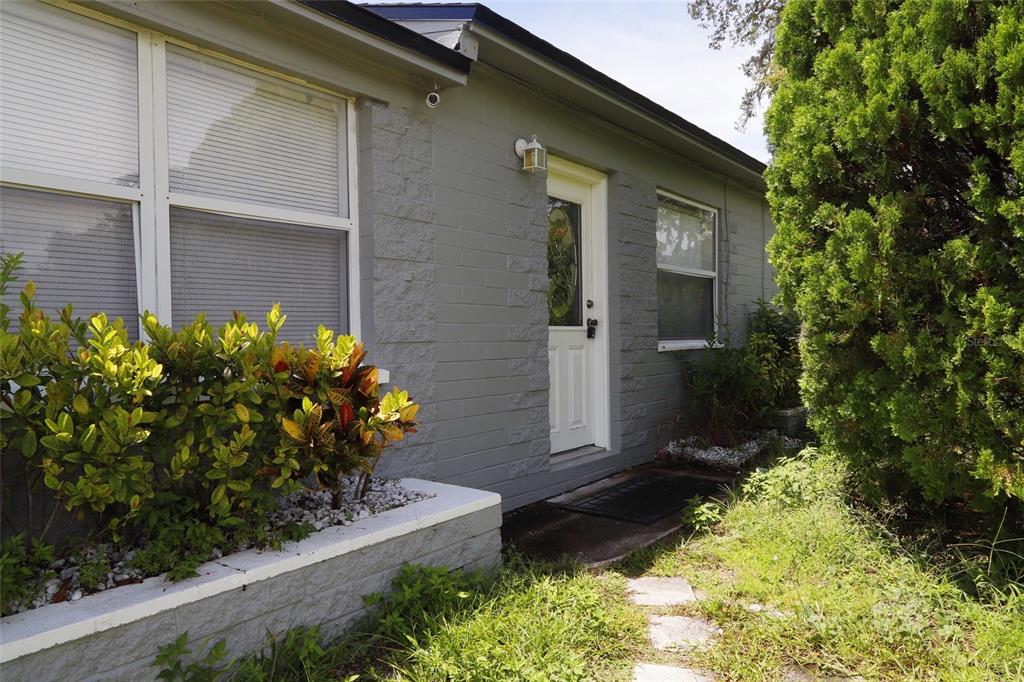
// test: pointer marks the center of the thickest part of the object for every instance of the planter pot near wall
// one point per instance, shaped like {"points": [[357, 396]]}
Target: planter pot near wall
{"points": [[790, 421], [319, 581]]}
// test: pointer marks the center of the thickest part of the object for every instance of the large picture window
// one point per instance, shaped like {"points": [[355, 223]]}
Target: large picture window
{"points": [[687, 272], [143, 173]]}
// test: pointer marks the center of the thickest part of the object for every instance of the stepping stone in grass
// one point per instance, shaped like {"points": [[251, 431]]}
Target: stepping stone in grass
{"points": [[649, 672], [679, 632], [660, 591]]}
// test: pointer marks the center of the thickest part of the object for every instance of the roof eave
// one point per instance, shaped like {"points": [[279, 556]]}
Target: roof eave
{"points": [[679, 136], [503, 34], [375, 31]]}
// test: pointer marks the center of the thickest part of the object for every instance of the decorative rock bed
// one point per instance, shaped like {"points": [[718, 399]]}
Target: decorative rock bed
{"points": [[694, 451], [308, 507], [319, 581]]}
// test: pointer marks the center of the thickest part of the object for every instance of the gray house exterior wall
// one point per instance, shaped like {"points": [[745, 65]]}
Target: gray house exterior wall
{"points": [[455, 239]]}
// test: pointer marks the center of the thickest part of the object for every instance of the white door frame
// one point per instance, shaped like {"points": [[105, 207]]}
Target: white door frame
{"points": [[594, 257]]}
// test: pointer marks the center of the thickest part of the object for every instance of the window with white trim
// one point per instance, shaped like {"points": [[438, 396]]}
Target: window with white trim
{"points": [[140, 172], [687, 272]]}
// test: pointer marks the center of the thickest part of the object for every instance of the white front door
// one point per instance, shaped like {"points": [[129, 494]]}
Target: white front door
{"points": [[577, 288]]}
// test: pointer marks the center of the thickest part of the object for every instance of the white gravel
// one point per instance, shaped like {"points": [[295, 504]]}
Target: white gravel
{"points": [[693, 450], [313, 508]]}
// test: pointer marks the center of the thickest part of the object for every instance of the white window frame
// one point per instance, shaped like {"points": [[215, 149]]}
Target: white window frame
{"points": [[152, 200], [692, 344]]}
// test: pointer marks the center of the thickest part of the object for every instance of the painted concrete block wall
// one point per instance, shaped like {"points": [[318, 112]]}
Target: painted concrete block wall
{"points": [[492, 280], [397, 215], [651, 392], [456, 236], [649, 380], [749, 276], [327, 594], [453, 247]]}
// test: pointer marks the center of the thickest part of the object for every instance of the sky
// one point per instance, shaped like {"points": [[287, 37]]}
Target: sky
{"points": [[655, 49]]}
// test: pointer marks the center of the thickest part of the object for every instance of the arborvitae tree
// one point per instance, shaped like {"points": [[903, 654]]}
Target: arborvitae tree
{"points": [[897, 132]]}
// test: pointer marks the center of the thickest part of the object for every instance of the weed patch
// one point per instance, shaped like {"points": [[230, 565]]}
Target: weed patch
{"points": [[528, 622]]}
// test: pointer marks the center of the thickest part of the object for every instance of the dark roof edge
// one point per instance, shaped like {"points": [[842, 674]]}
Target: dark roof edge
{"points": [[377, 25], [494, 21]]}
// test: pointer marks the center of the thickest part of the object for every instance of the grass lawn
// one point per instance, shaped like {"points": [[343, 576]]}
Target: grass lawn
{"points": [[795, 577], [833, 593], [532, 623]]}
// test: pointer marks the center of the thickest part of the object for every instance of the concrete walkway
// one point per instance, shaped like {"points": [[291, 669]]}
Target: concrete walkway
{"points": [[670, 633]]}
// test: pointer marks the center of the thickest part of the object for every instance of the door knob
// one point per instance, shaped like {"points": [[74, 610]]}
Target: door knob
{"points": [[591, 328]]}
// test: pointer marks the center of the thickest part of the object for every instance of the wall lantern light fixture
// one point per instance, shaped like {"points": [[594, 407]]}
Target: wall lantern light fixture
{"points": [[534, 156]]}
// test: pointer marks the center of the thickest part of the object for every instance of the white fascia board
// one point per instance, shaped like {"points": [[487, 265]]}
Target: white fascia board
{"points": [[443, 31], [449, 75], [452, 33]]}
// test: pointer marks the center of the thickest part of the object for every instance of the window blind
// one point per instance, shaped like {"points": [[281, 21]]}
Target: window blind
{"points": [[220, 264], [236, 134], [69, 102], [78, 251]]}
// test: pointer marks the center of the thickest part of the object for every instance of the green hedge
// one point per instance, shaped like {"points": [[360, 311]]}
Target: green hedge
{"points": [[181, 444], [897, 132]]}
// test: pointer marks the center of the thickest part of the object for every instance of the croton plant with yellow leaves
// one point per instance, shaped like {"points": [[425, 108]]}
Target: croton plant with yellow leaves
{"points": [[180, 444]]}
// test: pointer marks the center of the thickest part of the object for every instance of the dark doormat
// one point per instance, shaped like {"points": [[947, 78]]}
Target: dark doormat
{"points": [[644, 498]]}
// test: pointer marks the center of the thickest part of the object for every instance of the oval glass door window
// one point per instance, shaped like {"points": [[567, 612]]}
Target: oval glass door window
{"points": [[564, 276]]}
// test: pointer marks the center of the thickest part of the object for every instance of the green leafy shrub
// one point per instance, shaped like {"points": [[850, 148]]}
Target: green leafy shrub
{"points": [[725, 395], [774, 349], [74, 417], [182, 444], [896, 189], [731, 390]]}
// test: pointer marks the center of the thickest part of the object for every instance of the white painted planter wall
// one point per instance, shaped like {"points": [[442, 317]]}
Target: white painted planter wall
{"points": [[319, 581]]}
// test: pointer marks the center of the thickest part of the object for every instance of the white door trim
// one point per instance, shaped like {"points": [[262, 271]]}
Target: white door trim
{"points": [[595, 257]]}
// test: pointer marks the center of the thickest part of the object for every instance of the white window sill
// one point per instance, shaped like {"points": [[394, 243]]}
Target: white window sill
{"points": [[666, 346]]}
